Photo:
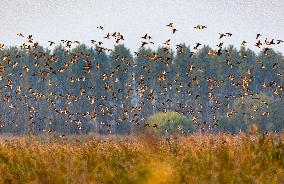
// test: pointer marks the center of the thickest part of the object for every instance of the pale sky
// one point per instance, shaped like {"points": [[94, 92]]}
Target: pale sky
{"points": [[78, 19]]}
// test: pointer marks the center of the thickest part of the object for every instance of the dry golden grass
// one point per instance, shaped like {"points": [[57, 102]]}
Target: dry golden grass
{"points": [[197, 158]]}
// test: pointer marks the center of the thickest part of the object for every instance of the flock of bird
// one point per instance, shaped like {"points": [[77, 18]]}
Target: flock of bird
{"points": [[118, 37], [147, 39]]}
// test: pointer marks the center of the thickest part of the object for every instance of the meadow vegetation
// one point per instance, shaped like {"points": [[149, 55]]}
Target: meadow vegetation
{"points": [[145, 158]]}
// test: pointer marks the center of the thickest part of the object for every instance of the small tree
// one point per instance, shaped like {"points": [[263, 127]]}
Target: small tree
{"points": [[261, 111], [170, 123]]}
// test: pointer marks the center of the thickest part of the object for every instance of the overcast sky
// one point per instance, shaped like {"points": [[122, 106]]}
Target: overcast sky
{"points": [[78, 19]]}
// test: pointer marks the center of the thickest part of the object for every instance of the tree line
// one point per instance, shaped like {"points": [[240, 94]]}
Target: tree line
{"points": [[91, 89]]}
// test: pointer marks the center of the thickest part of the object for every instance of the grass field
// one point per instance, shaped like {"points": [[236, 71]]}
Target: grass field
{"points": [[198, 158]]}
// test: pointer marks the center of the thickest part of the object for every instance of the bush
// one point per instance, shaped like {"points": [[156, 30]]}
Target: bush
{"points": [[261, 110], [170, 123]]}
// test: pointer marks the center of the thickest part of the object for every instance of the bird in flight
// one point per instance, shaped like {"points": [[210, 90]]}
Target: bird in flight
{"points": [[258, 44], [93, 41], [279, 41], [200, 27], [197, 45], [170, 25], [100, 27], [20, 35], [143, 44], [51, 43], [146, 36], [221, 35], [174, 30], [1, 46], [107, 36], [167, 42]]}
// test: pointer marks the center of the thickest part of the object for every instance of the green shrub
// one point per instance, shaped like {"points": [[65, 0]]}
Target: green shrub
{"points": [[170, 123]]}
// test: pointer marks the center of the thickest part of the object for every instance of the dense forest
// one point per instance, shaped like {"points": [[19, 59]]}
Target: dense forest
{"points": [[93, 89]]}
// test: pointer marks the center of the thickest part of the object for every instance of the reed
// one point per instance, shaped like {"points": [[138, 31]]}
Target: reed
{"points": [[197, 158]]}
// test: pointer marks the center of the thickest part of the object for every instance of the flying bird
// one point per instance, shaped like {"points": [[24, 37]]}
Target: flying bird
{"points": [[200, 27]]}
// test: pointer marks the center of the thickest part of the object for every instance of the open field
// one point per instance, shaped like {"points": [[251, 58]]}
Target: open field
{"points": [[143, 159]]}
